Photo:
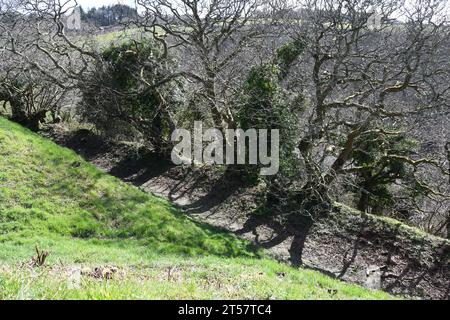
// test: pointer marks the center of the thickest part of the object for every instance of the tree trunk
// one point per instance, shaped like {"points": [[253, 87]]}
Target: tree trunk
{"points": [[363, 203]]}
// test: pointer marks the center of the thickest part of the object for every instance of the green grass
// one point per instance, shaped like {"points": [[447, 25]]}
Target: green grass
{"points": [[50, 197], [176, 278]]}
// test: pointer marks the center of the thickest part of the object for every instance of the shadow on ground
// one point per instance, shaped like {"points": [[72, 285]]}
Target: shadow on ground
{"points": [[346, 246]]}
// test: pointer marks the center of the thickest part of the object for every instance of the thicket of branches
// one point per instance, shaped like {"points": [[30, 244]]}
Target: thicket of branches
{"points": [[358, 88]]}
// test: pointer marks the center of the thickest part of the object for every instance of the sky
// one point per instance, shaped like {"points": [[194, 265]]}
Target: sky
{"points": [[98, 3], [86, 4]]}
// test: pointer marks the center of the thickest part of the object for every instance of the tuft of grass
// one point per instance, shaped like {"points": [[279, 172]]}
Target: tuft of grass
{"points": [[50, 197]]}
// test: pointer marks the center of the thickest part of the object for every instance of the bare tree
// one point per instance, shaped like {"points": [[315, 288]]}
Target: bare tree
{"points": [[212, 35], [369, 68], [41, 64]]}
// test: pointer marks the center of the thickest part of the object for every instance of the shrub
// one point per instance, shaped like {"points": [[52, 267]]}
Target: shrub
{"points": [[131, 92]]}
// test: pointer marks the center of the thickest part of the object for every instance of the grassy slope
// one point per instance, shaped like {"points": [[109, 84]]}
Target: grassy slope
{"points": [[85, 218]]}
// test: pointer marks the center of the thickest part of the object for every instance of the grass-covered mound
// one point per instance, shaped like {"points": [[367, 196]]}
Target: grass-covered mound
{"points": [[47, 191], [85, 218]]}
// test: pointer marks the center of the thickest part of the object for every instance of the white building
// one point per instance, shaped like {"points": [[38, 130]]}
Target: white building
{"points": [[73, 21], [374, 21]]}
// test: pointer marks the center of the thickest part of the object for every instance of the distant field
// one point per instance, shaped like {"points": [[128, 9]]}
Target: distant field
{"points": [[109, 37], [109, 240]]}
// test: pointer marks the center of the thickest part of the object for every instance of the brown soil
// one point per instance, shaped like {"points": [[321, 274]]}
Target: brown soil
{"points": [[346, 244]]}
